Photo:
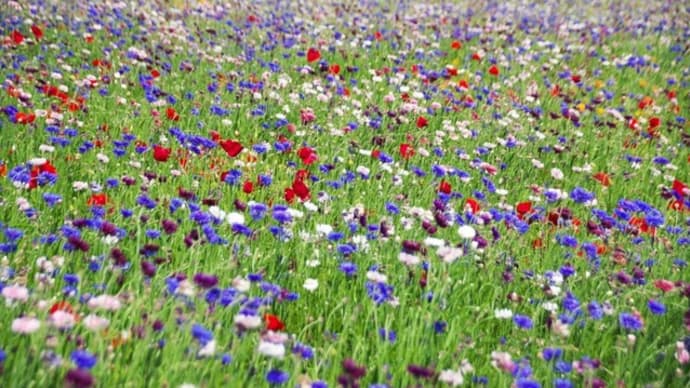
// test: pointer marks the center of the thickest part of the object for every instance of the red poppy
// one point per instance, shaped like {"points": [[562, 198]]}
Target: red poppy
{"points": [[273, 323], [575, 78], [172, 114], [472, 204], [307, 155], [456, 45], [378, 35], [61, 306], [422, 122], [25, 118], [17, 37], [555, 91], [641, 224], [36, 30], [375, 154], [215, 136], [301, 190], [155, 73], [233, 148], [664, 285], [603, 178], [97, 200], [537, 243], [463, 84], [679, 187], [248, 187], [493, 70], [645, 102], [313, 55], [444, 187], [476, 57], [654, 123], [161, 154], [406, 151], [289, 195], [523, 208], [334, 69]]}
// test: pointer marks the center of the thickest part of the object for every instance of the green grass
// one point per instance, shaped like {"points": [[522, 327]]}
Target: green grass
{"points": [[339, 320]]}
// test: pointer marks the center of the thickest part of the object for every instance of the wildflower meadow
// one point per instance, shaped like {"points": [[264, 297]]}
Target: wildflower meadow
{"points": [[344, 194]]}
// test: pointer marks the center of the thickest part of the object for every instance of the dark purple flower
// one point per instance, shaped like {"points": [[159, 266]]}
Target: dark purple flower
{"points": [[205, 280], [420, 372], [78, 378]]}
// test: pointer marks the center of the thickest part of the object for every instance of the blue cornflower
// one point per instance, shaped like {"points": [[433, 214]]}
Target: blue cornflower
{"points": [[52, 199], [595, 310], [562, 383], [656, 307], [552, 353], [277, 377], [527, 383], [523, 321], [201, 334], [580, 195], [12, 234], [349, 268], [629, 322], [83, 359], [389, 335]]}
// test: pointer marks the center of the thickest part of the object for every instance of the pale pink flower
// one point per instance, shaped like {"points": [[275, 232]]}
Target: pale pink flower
{"points": [[62, 319], [95, 323], [104, 302], [25, 325], [15, 293]]}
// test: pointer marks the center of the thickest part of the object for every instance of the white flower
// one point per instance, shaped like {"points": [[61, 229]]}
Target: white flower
{"points": [[451, 377], [503, 313], [467, 232], [79, 186], [15, 292], [235, 218], [313, 263], [38, 161], [208, 350], [557, 174], [376, 277], [62, 319], [95, 323], [104, 302], [449, 254], [311, 284], [46, 148], [25, 325], [310, 206], [408, 259], [103, 158], [248, 321], [323, 229], [241, 284], [434, 242], [271, 349]]}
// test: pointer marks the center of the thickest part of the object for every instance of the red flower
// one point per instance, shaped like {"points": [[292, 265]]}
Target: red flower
{"points": [[378, 35], [38, 33], [406, 151], [248, 187], [334, 69], [301, 190], [231, 147], [307, 155], [61, 306], [273, 323], [25, 118], [161, 154], [645, 102], [172, 114], [603, 178], [654, 122], [575, 78], [444, 187], [375, 154], [97, 200], [422, 122], [664, 285], [463, 84], [313, 55], [523, 208], [680, 188], [215, 136], [155, 73], [17, 37], [493, 70], [473, 205], [456, 45], [476, 57], [289, 195]]}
